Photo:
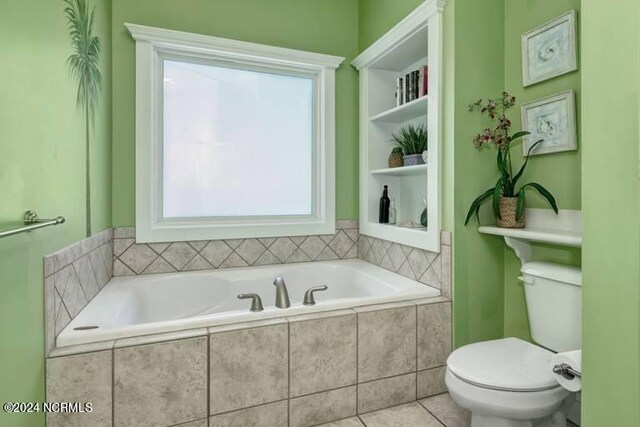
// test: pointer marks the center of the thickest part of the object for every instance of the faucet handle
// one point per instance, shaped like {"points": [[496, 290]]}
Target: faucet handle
{"points": [[308, 296], [278, 281], [256, 301]]}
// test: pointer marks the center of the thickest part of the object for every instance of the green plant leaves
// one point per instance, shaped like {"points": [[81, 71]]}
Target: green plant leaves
{"points": [[519, 135], [520, 204], [544, 193], [475, 206], [411, 139], [497, 192], [524, 165]]}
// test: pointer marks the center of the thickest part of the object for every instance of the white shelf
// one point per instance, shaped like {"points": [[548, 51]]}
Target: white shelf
{"points": [[404, 235], [543, 226], [401, 171], [409, 111], [541, 235]]}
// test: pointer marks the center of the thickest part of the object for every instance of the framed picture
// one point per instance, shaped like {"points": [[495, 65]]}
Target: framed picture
{"points": [[550, 50], [552, 119]]}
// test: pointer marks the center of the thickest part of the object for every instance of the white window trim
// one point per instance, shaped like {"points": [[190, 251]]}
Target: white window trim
{"points": [[152, 44]]}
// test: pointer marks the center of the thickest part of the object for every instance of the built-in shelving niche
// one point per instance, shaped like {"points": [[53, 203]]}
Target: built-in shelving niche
{"points": [[414, 42]]}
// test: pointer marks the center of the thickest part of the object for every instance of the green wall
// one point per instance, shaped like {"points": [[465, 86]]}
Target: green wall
{"points": [[327, 26], [42, 161], [559, 172], [478, 260], [611, 224], [376, 17]]}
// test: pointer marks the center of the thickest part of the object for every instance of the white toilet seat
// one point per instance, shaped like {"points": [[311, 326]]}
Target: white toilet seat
{"points": [[508, 364], [506, 383]]}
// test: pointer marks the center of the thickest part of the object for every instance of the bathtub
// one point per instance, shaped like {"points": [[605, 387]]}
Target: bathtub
{"points": [[144, 305]]}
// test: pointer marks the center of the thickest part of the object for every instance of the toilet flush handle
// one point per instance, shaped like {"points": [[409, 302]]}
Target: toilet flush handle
{"points": [[526, 280]]}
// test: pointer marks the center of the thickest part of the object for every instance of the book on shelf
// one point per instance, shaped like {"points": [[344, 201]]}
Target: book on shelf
{"points": [[412, 86]]}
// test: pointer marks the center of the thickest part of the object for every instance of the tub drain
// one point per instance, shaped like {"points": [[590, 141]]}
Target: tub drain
{"points": [[85, 328]]}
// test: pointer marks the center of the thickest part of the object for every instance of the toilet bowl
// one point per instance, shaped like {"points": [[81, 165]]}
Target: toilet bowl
{"points": [[507, 383]]}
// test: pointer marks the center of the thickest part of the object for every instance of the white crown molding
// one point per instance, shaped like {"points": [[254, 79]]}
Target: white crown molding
{"points": [[416, 20], [161, 37]]}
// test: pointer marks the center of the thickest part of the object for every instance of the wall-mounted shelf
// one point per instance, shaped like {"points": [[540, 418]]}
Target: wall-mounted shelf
{"points": [[409, 111], [540, 235], [543, 226], [401, 171]]}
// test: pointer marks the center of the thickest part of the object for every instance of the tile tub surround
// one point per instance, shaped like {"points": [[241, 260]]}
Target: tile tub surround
{"points": [[72, 277], [131, 258], [426, 267], [295, 371]]}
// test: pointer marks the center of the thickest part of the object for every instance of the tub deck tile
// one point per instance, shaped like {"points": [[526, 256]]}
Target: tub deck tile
{"points": [[156, 338], [82, 348]]}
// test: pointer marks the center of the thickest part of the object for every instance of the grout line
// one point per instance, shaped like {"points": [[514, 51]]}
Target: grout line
{"points": [[432, 414], [245, 408], [113, 387], [288, 373], [416, 313], [208, 376], [357, 363]]}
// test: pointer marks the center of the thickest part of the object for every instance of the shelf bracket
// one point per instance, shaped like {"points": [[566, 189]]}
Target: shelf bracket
{"points": [[522, 248]]}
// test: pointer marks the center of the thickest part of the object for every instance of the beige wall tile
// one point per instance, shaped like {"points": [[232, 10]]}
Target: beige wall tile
{"points": [[322, 354], [160, 384], [269, 415], [386, 343], [248, 367], [431, 382], [322, 407], [434, 335], [80, 378], [388, 392]]}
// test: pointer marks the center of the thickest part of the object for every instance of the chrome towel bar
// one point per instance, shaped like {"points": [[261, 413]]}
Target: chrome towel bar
{"points": [[32, 222]]}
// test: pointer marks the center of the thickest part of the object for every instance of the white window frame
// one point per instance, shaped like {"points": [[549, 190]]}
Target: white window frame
{"points": [[155, 44]]}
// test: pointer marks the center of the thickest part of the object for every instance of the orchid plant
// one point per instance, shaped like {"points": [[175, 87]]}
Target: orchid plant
{"points": [[500, 138]]}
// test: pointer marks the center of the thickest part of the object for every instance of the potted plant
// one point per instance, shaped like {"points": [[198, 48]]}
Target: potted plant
{"points": [[412, 140], [508, 200]]}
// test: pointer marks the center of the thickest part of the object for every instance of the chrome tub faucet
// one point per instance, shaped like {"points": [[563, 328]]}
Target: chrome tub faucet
{"points": [[282, 296]]}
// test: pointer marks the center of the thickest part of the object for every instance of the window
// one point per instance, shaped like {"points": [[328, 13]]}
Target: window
{"points": [[233, 139]]}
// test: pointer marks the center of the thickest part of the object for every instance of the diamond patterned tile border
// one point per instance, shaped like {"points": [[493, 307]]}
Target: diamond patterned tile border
{"points": [[430, 268], [74, 275], [132, 258]]}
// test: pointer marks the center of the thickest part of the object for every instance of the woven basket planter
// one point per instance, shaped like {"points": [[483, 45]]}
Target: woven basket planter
{"points": [[508, 214]]}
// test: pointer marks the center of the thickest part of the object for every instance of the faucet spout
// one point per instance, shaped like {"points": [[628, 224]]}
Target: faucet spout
{"points": [[282, 296]]}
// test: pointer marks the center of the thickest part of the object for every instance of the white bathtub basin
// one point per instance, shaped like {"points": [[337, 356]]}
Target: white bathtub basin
{"points": [[142, 305]]}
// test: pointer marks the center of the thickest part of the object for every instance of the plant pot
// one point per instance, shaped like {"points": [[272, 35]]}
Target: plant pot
{"points": [[508, 213], [413, 160], [395, 160]]}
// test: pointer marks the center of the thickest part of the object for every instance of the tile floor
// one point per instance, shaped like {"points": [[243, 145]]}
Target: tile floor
{"points": [[434, 411]]}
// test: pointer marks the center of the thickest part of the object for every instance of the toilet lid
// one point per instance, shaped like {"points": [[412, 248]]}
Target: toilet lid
{"points": [[504, 364]]}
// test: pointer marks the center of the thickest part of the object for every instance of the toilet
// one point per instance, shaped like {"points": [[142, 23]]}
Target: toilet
{"points": [[509, 382]]}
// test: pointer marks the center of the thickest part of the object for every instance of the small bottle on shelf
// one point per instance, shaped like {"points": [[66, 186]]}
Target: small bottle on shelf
{"points": [[392, 212], [385, 203]]}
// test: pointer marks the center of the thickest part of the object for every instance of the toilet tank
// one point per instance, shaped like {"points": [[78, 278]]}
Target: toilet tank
{"points": [[553, 293]]}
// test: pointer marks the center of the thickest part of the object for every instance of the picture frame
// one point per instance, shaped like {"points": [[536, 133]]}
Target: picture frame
{"points": [[553, 119], [550, 50]]}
